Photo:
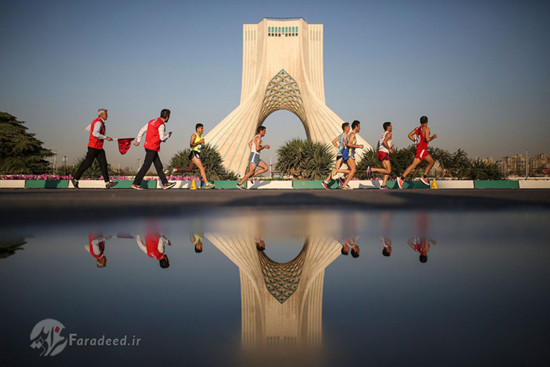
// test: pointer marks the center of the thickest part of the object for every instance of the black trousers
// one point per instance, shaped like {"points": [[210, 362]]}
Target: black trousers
{"points": [[92, 154], [151, 157]]}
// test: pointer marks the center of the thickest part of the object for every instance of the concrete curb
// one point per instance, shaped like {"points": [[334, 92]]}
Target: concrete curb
{"points": [[271, 185], [467, 184], [534, 184], [12, 184]]}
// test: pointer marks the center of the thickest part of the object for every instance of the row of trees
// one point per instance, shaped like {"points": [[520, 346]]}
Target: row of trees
{"points": [[306, 160]]}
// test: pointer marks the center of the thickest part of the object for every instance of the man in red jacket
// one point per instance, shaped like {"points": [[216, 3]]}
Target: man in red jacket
{"points": [[155, 135], [95, 150]]}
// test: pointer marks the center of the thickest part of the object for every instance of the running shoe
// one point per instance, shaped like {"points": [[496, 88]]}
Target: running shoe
{"points": [[136, 187], [168, 186], [239, 186], [332, 173], [425, 181], [341, 180], [209, 185], [251, 182], [400, 182], [347, 187], [75, 183], [325, 185], [384, 187], [369, 171], [174, 170], [111, 184]]}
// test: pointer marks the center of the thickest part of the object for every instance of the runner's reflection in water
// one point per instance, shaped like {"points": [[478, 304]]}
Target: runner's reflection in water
{"points": [[260, 244], [197, 237], [155, 247], [421, 243], [350, 237], [385, 240], [96, 248]]}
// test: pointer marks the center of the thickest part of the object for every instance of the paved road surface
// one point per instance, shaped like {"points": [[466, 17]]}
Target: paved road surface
{"points": [[42, 205]]}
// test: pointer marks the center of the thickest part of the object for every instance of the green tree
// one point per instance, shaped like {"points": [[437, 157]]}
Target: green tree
{"points": [[20, 151], [304, 159], [211, 160], [480, 170]]}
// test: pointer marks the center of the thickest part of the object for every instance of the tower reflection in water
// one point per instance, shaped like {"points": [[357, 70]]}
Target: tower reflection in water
{"points": [[281, 303]]}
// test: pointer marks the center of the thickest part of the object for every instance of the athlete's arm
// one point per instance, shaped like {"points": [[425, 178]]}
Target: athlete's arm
{"points": [[250, 144], [335, 142], [411, 134], [140, 134], [259, 146], [163, 137], [192, 143], [427, 135], [386, 142], [350, 139], [141, 244]]}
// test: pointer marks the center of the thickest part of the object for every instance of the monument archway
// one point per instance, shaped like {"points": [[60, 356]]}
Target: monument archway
{"points": [[282, 69]]}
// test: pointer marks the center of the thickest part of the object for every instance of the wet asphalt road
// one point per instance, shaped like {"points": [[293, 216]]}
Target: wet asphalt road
{"points": [[43, 205]]}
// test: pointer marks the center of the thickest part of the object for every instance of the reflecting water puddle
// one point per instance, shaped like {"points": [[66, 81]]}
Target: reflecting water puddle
{"points": [[230, 287]]}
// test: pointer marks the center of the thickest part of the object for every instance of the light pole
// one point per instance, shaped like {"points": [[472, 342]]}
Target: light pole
{"points": [[64, 161], [55, 160], [526, 163]]}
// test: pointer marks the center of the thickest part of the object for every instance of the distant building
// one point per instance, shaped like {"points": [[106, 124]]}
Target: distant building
{"points": [[516, 164]]}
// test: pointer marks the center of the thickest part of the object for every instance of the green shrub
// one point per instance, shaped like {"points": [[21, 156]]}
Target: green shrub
{"points": [[304, 159], [211, 160]]}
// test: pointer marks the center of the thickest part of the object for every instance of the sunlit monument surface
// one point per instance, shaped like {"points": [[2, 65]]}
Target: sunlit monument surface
{"points": [[282, 303], [282, 70]]}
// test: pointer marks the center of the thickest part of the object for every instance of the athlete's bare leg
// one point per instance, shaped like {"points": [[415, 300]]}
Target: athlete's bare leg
{"points": [[386, 171], [251, 169], [352, 169], [263, 169], [415, 163], [431, 163], [188, 169], [197, 162]]}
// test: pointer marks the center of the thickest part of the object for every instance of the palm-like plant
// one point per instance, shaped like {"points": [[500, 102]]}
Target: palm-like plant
{"points": [[211, 160], [304, 159]]}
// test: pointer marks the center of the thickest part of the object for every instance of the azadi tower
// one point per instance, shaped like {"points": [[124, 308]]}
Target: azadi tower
{"points": [[281, 303], [282, 70]]}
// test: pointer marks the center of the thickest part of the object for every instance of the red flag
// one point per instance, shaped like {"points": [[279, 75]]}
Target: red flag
{"points": [[124, 145]]}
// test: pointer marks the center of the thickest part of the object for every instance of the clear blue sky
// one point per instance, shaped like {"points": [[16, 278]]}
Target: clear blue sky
{"points": [[478, 69]]}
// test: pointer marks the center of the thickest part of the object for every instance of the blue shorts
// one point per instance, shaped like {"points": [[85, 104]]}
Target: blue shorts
{"points": [[254, 159], [347, 155]]}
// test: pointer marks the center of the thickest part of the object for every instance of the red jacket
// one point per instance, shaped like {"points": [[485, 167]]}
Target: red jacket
{"points": [[95, 142], [152, 140]]}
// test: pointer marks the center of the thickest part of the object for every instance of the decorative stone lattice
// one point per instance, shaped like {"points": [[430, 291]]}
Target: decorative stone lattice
{"points": [[282, 93], [282, 280]]}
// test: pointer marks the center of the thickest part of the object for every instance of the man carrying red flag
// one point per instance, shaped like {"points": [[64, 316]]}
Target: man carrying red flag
{"points": [[155, 135], [95, 150]]}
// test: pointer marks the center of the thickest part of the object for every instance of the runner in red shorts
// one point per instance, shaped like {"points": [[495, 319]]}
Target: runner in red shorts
{"points": [[384, 149], [423, 137]]}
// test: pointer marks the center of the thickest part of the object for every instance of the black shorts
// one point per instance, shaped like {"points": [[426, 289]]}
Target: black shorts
{"points": [[194, 154], [338, 157]]}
